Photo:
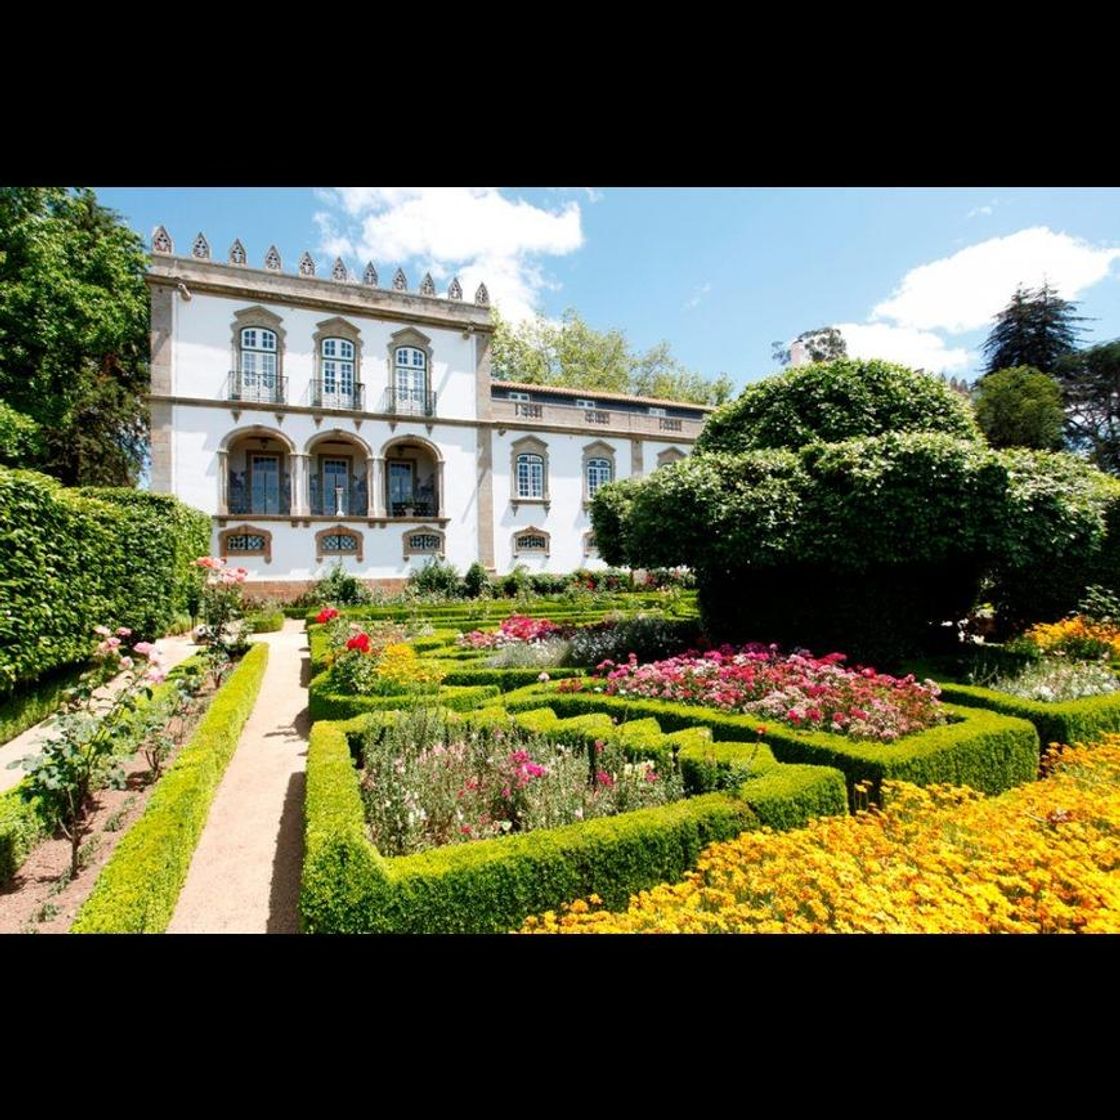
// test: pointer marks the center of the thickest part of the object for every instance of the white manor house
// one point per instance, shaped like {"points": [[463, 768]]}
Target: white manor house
{"points": [[320, 419]]}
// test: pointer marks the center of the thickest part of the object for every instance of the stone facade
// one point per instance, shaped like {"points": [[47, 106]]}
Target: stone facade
{"points": [[344, 422]]}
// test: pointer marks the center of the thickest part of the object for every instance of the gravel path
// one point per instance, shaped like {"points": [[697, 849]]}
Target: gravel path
{"points": [[175, 650], [244, 877]]}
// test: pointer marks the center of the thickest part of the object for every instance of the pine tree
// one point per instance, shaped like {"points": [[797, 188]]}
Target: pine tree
{"points": [[1037, 328]]}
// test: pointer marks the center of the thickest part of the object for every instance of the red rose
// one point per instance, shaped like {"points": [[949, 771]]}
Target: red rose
{"points": [[359, 642]]}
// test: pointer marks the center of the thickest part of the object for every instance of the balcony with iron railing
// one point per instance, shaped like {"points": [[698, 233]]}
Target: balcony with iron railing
{"points": [[409, 402], [330, 394], [338, 500], [257, 388], [619, 420]]}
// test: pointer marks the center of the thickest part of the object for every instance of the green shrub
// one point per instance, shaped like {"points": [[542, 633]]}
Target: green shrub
{"points": [[21, 441], [32, 705], [1072, 721], [492, 885], [338, 588], [827, 402], [987, 751], [71, 560], [476, 583], [138, 888], [790, 796], [324, 704], [265, 622], [436, 577]]}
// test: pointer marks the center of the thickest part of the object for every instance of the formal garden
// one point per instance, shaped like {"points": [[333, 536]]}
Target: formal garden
{"points": [[854, 669]]}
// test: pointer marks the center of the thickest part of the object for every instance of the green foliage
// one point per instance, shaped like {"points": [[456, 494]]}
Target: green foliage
{"points": [[74, 332], [1036, 329], [1071, 721], [492, 885], [981, 749], [23, 823], [21, 442], [1021, 407], [265, 622], [833, 401], [70, 561], [34, 703], [790, 796], [576, 356], [435, 577], [338, 588], [476, 583], [1090, 383], [326, 704], [138, 888]]}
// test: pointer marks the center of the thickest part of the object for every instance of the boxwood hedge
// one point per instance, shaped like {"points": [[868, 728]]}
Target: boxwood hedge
{"points": [[71, 559]]}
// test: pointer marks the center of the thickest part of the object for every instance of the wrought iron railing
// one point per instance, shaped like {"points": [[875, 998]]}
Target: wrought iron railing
{"points": [[355, 499], [241, 500], [410, 402], [259, 388], [330, 395]]}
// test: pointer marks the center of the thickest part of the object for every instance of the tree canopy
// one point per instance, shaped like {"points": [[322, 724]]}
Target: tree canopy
{"points": [[1037, 328], [575, 355], [1090, 383], [1021, 407], [823, 344], [830, 401], [73, 335]]}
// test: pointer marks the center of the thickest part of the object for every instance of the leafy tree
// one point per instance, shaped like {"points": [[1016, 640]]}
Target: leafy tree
{"points": [[822, 345], [74, 333], [574, 355], [1036, 329], [835, 400], [1090, 382], [1020, 407]]}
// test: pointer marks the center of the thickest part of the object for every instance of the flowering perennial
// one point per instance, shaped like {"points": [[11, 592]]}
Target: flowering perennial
{"points": [[517, 628], [1041, 858], [1077, 637], [817, 694]]}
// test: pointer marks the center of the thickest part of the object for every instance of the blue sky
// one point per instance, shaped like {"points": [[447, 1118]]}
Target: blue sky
{"points": [[908, 274]]}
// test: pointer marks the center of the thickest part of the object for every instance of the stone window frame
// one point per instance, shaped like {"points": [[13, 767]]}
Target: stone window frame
{"points": [[337, 327], [528, 445], [263, 319], [598, 449], [339, 530], [546, 551], [590, 548], [243, 530], [670, 455], [410, 336], [424, 531]]}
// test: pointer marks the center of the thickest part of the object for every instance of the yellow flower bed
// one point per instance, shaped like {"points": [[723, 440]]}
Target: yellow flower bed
{"points": [[1041, 858], [400, 665], [1073, 635]]}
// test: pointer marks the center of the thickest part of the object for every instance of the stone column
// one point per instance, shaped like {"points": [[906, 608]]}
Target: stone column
{"points": [[301, 504], [636, 464], [371, 486], [377, 492], [441, 504], [223, 481], [485, 498]]}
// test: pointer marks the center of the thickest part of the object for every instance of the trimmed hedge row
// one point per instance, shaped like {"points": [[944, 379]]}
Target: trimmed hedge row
{"points": [[1070, 721], [988, 751], [265, 622], [71, 559], [33, 704], [324, 704], [492, 885], [23, 821], [138, 888]]}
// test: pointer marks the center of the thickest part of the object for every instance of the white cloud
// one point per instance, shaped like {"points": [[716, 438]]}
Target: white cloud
{"points": [[698, 294], [905, 345], [977, 210], [476, 233], [964, 291]]}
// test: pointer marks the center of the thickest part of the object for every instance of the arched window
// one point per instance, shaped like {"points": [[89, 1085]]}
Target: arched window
{"points": [[530, 475], [337, 366], [598, 472], [531, 542], [258, 365], [410, 379]]}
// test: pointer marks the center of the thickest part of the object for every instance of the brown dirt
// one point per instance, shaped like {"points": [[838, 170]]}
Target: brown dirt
{"points": [[41, 883]]}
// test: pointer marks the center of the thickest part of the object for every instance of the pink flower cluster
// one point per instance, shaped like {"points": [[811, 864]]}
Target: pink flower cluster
{"points": [[110, 646], [219, 572], [516, 628], [799, 690]]}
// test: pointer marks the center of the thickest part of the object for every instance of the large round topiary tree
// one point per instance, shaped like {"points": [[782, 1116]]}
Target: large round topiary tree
{"points": [[857, 536]]}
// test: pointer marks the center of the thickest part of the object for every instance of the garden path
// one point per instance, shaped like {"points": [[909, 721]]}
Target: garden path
{"points": [[244, 877], [175, 650]]}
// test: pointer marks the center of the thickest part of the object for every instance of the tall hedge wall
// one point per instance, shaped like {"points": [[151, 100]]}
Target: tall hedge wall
{"points": [[72, 559]]}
